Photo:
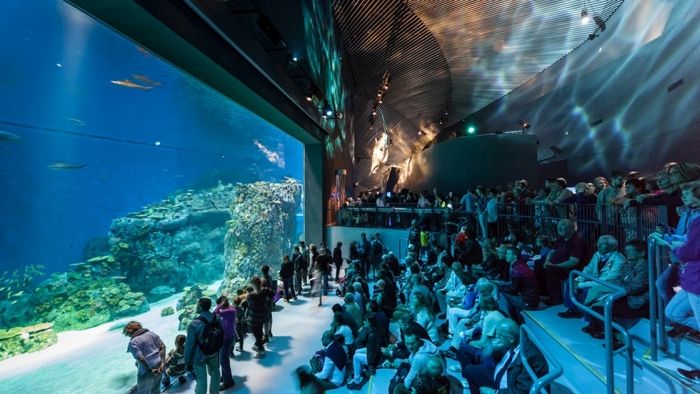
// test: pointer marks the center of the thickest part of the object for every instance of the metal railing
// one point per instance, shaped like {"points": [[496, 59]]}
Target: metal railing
{"points": [[555, 369], [657, 308], [608, 323]]}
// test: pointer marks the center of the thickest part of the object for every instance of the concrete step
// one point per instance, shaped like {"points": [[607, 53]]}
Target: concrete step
{"points": [[583, 357]]}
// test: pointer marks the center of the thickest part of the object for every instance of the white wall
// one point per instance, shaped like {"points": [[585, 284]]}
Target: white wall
{"points": [[392, 239]]}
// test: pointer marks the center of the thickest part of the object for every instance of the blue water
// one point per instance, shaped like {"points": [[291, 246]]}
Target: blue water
{"points": [[137, 145]]}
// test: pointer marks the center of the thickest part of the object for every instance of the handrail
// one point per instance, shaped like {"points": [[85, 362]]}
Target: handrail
{"points": [[539, 382], [618, 292]]}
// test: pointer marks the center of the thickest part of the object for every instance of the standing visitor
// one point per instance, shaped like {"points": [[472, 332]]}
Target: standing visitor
{"points": [[149, 352], [258, 309], [227, 314], [338, 259], [205, 337]]}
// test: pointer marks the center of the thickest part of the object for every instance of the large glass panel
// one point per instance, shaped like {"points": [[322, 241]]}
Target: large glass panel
{"points": [[125, 183]]}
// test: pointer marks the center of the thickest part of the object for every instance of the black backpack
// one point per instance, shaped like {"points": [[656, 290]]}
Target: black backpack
{"points": [[212, 336]]}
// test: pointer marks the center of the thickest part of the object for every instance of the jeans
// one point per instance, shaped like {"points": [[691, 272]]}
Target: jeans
{"points": [[359, 362], [453, 317], [211, 365], [684, 308], [665, 282], [147, 383], [226, 361]]}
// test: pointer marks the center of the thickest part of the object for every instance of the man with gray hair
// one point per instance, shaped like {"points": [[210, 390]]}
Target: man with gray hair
{"points": [[606, 265]]}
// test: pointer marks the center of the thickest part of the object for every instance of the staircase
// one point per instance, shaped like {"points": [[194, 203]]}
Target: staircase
{"points": [[583, 357]]}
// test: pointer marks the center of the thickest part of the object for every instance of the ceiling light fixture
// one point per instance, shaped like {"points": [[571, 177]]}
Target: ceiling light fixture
{"points": [[471, 129], [584, 17]]}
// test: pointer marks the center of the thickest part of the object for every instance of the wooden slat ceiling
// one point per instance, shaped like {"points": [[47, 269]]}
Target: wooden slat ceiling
{"points": [[460, 54]]}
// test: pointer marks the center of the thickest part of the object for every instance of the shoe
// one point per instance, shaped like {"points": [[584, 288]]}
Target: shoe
{"points": [[239, 348], [255, 348], [600, 334], [320, 304], [227, 386], [617, 344], [182, 379], [570, 314], [693, 376], [265, 340], [590, 329], [357, 385], [693, 336], [677, 331], [259, 354]]}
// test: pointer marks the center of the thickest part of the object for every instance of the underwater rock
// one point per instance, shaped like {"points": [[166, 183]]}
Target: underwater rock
{"points": [[26, 339], [259, 231], [187, 305], [175, 241], [167, 311]]}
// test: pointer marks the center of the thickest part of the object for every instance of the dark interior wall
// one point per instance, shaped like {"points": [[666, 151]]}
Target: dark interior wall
{"points": [[609, 105], [466, 162]]}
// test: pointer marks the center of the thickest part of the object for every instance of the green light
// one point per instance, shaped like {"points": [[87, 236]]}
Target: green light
{"points": [[471, 129]]}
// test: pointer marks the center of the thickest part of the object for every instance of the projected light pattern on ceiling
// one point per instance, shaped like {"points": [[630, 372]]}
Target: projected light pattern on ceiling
{"points": [[325, 57], [617, 101]]}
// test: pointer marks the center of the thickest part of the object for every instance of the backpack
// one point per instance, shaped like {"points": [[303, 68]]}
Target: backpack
{"points": [[212, 336]]}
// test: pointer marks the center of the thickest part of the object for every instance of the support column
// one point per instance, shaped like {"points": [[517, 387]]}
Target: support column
{"points": [[313, 193]]}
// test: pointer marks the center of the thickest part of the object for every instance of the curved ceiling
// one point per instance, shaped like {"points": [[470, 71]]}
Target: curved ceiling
{"points": [[456, 54]]}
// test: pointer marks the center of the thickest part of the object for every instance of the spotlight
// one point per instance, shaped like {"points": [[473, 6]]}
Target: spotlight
{"points": [[386, 86], [420, 132], [339, 115], [327, 110], [471, 129], [313, 90], [374, 112], [379, 93], [599, 22], [380, 101], [584, 17], [524, 125]]}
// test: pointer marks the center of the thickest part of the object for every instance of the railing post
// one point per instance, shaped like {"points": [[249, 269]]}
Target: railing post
{"points": [[609, 362], [661, 328], [653, 306]]}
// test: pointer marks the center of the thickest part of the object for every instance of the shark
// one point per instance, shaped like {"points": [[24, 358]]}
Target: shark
{"points": [[130, 84], [6, 136], [59, 165]]}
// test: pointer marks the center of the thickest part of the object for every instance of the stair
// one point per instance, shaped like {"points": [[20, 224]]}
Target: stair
{"points": [[583, 357]]}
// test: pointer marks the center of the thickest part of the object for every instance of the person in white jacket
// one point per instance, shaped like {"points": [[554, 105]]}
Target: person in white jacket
{"points": [[421, 352]]}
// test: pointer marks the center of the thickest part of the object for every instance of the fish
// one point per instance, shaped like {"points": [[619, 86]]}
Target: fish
{"points": [[143, 51], [66, 166], [19, 293], [76, 121], [145, 79], [129, 84], [6, 136]]}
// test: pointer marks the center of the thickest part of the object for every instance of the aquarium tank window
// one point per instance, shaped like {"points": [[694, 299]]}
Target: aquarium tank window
{"points": [[129, 189]]}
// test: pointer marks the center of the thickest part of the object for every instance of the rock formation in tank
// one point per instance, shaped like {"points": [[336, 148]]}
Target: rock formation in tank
{"points": [[260, 230]]}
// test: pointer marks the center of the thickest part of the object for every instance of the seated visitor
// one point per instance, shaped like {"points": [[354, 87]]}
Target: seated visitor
{"points": [[606, 264], [468, 306], [420, 353], [568, 252], [330, 374], [433, 380], [521, 292], [502, 369], [367, 359], [175, 362], [634, 278]]}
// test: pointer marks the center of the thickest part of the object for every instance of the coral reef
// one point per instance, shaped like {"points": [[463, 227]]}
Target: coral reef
{"points": [[187, 305], [176, 241], [26, 339], [261, 227], [167, 311]]}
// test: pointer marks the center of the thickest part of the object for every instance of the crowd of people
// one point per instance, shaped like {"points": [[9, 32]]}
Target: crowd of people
{"points": [[204, 354], [461, 300], [464, 301]]}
